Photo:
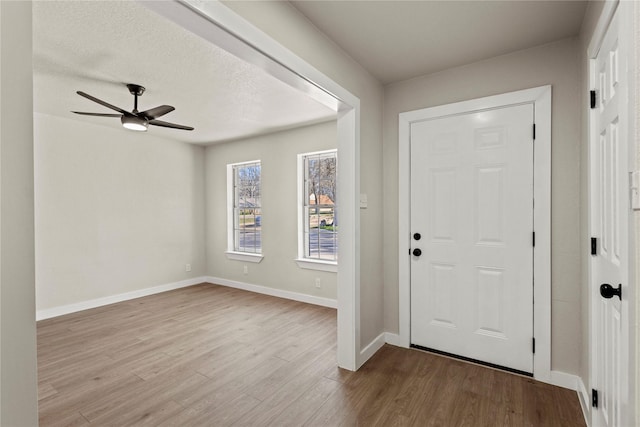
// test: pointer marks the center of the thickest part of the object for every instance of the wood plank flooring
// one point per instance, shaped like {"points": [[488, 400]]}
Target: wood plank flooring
{"points": [[208, 355]]}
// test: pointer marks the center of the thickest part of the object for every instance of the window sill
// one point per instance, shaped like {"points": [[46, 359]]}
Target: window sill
{"points": [[244, 256], [309, 264]]}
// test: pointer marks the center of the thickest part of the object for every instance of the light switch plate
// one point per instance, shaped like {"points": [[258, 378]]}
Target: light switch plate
{"points": [[635, 190], [363, 201]]}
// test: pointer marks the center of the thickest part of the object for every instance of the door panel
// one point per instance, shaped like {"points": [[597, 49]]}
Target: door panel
{"points": [[472, 200], [610, 217]]}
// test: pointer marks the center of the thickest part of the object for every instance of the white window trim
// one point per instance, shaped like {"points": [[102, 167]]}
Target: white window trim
{"points": [[231, 252], [320, 265], [244, 256], [302, 261]]}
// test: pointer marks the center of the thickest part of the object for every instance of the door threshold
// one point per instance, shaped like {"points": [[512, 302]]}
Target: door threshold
{"points": [[470, 360]]}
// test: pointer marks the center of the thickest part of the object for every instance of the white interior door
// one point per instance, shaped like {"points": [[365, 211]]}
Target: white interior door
{"points": [[472, 221], [609, 188]]}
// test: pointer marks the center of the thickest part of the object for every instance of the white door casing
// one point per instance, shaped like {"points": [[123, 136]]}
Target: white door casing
{"points": [[540, 98], [472, 206], [609, 225]]}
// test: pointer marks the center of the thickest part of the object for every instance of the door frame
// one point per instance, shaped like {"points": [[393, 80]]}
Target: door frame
{"points": [[626, 24], [218, 24], [540, 97]]}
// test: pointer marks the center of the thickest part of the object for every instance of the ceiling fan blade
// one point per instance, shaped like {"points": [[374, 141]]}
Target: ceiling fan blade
{"points": [[101, 102], [154, 113], [97, 114], [169, 125]]}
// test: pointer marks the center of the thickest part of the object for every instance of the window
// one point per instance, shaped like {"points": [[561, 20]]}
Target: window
{"points": [[244, 211], [318, 211]]}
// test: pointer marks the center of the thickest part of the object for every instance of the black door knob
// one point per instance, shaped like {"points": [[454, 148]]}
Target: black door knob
{"points": [[417, 236], [417, 252], [608, 291]]}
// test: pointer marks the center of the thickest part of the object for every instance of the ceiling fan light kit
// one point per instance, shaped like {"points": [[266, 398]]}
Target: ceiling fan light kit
{"points": [[135, 120], [136, 123]]}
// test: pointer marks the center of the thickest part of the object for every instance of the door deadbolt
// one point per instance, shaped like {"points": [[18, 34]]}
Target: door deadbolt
{"points": [[417, 236]]}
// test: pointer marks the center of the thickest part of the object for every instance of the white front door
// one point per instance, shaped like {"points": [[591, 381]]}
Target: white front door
{"points": [[472, 235], [609, 189]]}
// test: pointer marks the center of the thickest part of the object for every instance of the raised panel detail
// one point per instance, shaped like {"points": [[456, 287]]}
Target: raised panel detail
{"points": [[489, 205], [613, 70], [443, 143], [443, 206], [615, 191], [489, 137], [604, 194], [491, 301], [604, 88], [442, 279]]}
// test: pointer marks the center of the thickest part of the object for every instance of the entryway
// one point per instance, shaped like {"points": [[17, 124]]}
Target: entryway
{"points": [[476, 278]]}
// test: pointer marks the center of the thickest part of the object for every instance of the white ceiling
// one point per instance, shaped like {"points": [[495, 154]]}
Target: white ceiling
{"points": [[398, 40], [98, 47]]}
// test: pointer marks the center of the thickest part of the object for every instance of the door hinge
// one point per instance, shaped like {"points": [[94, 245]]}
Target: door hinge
{"points": [[594, 397], [594, 246], [533, 345], [533, 239], [534, 131], [592, 97]]}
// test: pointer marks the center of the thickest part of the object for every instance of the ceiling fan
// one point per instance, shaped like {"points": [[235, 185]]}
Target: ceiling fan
{"points": [[135, 120]]}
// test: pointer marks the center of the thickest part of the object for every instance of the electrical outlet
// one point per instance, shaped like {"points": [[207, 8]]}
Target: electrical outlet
{"points": [[187, 267], [318, 283], [245, 270]]}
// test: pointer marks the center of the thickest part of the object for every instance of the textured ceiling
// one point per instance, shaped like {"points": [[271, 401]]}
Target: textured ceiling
{"points": [[98, 47], [398, 40]]}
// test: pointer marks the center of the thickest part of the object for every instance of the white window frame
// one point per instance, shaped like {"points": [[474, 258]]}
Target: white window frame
{"points": [[231, 252], [302, 260]]}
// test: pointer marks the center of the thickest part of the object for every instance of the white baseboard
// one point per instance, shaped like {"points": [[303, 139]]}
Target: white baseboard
{"points": [[585, 401], [562, 379], [393, 339], [99, 302], [370, 350], [309, 299]]}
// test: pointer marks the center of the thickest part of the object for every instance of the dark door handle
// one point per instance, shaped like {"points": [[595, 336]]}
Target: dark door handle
{"points": [[417, 236], [608, 291], [417, 252]]}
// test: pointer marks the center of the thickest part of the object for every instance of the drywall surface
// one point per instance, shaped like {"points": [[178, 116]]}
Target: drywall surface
{"points": [[18, 382], [277, 153], [115, 211], [286, 25], [556, 64]]}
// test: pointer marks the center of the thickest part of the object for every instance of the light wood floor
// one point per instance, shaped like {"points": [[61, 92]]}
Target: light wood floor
{"points": [[214, 356]]}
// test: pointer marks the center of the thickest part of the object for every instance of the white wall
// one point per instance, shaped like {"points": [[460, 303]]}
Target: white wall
{"points": [[556, 64], [18, 382], [116, 211], [278, 154], [286, 25]]}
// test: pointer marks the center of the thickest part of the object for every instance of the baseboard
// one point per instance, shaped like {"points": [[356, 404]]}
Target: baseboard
{"points": [[309, 299], [99, 302], [562, 379], [370, 350], [585, 401], [393, 339]]}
